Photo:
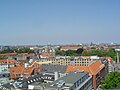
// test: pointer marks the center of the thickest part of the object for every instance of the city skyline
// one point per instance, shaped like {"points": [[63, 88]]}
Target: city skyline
{"points": [[59, 22]]}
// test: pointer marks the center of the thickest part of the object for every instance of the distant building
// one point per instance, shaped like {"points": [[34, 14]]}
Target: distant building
{"points": [[4, 67], [46, 55], [24, 70], [65, 48], [22, 56], [8, 55], [6, 64], [4, 70], [67, 60], [20, 71], [116, 67]]}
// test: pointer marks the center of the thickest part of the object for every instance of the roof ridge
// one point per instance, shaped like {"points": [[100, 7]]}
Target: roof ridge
{"points": [[90, 69]]}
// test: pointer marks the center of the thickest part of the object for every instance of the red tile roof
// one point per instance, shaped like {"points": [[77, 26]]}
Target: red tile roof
{"points": [[46, 54], [85, 57], [70, 47], [23, 54], [20, 70], [96, 67], [93, 69], [8, 54], [31, 55], [22, 61], [8, 61]]}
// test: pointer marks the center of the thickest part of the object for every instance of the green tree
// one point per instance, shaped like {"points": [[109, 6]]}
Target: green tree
{"points": [[24, 50], [110, 53], [111, 81], [67, 53], [59, 52], [21, 50], [85, 53]]}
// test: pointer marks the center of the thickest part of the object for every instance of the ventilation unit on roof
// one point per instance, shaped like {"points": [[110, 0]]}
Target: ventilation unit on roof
{"points": [[56, 74], [79, 71]]}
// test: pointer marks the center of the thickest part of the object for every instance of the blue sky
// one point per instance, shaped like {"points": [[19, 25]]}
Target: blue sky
{"points": [[59, 21]]}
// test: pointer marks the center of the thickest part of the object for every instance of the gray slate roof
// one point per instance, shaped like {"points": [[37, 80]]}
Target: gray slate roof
{"points": [[72, 77], [53, 68]]}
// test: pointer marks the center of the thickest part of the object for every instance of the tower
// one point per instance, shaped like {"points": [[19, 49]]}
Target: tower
{"points": [[117, 50]]}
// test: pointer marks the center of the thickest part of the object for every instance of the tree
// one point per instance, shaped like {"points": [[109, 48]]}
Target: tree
{"points": [[24, 50], [59, 52], [111, 81], [21, 50], [101, 53], [67, 53], [85, 53], [79, 51]]}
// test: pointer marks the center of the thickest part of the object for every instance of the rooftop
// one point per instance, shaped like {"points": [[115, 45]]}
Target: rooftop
{"points": [[53, 68], [46, 54], [68, 80], [8, 61], [72, 77], [8, 54], [93, 68], [20, 70]]}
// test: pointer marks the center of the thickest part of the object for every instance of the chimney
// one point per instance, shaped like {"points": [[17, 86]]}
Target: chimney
{"points": [[117, 58], [56, 74], [26, 65]]}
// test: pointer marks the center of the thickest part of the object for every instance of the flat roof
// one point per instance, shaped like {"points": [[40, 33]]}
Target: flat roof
{"points": [[72, 77], [69, 79]]}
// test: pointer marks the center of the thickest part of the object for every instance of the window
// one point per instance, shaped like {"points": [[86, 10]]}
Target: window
{"points": [[78, 83], [28, 81], [31, 81], [18, 75], [75, 85], [25, 74]]}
